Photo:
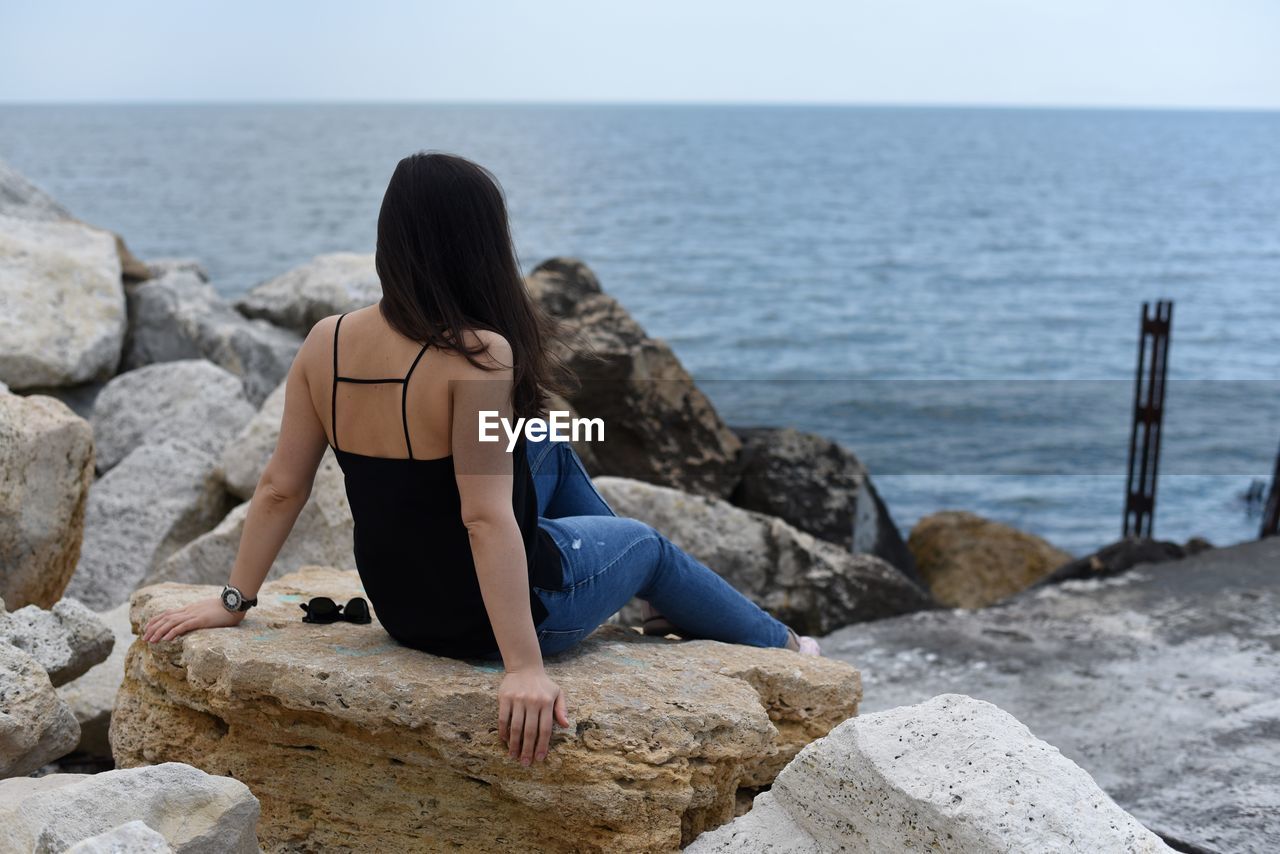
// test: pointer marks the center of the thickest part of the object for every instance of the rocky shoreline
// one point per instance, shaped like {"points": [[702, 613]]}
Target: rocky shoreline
{"points": [[137, 411]]}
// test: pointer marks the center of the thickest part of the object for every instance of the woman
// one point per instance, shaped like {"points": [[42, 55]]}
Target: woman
{"points": [[464, 549]]}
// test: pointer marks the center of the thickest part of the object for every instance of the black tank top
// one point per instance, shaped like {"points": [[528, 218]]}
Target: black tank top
{"points": [[411, 547]]}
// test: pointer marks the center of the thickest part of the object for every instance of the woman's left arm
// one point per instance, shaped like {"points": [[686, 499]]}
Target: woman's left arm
{"points": [[281, 493]]}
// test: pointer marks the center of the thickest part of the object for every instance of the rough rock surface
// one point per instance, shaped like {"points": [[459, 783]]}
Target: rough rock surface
{"points": [[189, 399], [24, 200], [1121, 556], [247, 453], [952, 774], [809, 584], [969, 561], [197, 813], [132, 837], [46, 468], [354, 742], [93, 695], [62, 306], [36, 726], [325, 285], [160, 497], [323, 534], [820, 487], [1163, 683], [659, 427], [180, 316], [66, 640]]}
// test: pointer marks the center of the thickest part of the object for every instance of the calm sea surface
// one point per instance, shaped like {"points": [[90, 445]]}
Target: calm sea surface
{"points": [[953, 294]]}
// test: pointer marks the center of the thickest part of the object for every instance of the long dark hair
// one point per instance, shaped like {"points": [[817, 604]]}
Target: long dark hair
{"points": [[447, 263]]}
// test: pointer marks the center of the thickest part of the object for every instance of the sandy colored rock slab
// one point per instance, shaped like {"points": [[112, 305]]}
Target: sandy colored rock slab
{"points": [[953, 775], [46, 469], [354, 742], [969, 561]]}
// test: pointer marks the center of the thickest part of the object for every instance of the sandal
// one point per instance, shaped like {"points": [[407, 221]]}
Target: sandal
{"points": [[654, 624]]}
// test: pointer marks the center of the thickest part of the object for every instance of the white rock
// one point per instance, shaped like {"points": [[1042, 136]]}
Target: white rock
{"points": [[62, 305], [189, 399], [951, 774], [810, 584], [246, 455], [22, 199], [325, 285], [36, 726], [197, 813], [159, 498], [323, 534], [93, 695], [132, 837], [180, 316], [66, 640], [46, 467]]}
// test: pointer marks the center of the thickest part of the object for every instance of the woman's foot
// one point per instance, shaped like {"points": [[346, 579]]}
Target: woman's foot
{"points": [[803, 644], [653, 623]]}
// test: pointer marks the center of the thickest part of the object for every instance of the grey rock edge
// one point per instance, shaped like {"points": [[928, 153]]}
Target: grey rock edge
{"points": [[66, 640], [1163, 683]]}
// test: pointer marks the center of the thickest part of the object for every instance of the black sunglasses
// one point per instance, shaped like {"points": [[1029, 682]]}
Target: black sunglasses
{"points": [[322, 609]]}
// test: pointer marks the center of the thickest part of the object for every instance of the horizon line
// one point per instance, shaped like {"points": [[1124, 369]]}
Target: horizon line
{"points": [[446, 102]]}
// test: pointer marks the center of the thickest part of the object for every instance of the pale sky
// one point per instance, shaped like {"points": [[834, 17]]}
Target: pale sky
{"points": [[1148, 53]]}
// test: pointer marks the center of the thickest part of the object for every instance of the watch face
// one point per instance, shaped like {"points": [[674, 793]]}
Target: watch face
{"points": [[231, 599]]}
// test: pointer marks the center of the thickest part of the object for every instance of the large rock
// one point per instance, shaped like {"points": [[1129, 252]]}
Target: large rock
{"points": [[157, 499], [46, 468], [812, 585], [36, 726], [132, 837], [952, 774], [22, 199], [353, 742], [1122, 555], [66, 640], [197, 813], [820, 487], [246, 455], [92, 695], [181, 316], [1162, 683], [62, 305], [659, 427], [189, 399], [324, 534], [969, 561], [327, 284]]}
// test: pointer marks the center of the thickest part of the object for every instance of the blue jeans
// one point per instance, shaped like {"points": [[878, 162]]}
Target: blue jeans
{"points": [[608, 559]]}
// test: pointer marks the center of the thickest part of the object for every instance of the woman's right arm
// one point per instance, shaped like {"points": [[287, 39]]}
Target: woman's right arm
{"points": [[528, 699]]}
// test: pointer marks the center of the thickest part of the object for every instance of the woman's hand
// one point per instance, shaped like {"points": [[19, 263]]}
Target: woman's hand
{"points": [[202, 614], [527, 702]]}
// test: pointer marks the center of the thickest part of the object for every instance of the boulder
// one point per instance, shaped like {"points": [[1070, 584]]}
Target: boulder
{"points": [[157, 267], [327, 284], [354, 742], [1121, 556], [324, 534], [820, 487], [247, 453], [132, 837], [62, 319], [66, 640], [952, 774], [1162, 683], [189, 399], [196, 813], [659, 427], [36, 726], [158, 498], [809, 584], [93, 695], [22, 199], [46, 468], [970, 562], [181, 316]]}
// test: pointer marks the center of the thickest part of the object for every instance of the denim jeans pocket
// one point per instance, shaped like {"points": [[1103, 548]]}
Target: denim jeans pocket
{"points": [[552, 641]]}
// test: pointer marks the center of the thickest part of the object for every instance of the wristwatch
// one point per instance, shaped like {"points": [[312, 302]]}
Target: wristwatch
{"points": [[233, 599]]}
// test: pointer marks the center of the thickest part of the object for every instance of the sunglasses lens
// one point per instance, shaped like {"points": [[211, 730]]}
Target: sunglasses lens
{"points": [[321, 609], [357, 610]]}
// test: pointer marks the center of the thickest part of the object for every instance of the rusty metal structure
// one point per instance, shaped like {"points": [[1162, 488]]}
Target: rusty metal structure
{"points": [[1148, 415]]}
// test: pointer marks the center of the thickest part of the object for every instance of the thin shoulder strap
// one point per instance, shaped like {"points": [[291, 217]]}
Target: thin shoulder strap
{"points": [[333, 403], [404, 399]]}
